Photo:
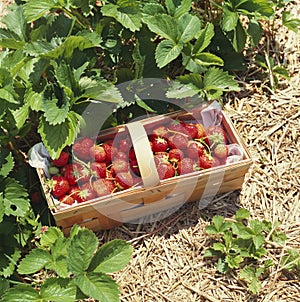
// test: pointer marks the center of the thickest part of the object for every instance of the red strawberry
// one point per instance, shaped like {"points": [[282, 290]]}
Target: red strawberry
{"points": [[134, 167], [160, 131], [221, 151], [216, 135], [75, 173], [131, 154], [159, 144], [67, 199], [81, 148], [205, 161], [192, 130], [82, 193], [194, 149], [59, 185], [161, 157], [175, 155], [103, 186], [75, 193], [177, 126], [119, 165], [185, 166], [62, 160], [97, 153], [165, 170], [124, 180], [124, 145], [201, 133], [121, 155], [178, 141], [110, 151], [216, 162], [98, 169]]}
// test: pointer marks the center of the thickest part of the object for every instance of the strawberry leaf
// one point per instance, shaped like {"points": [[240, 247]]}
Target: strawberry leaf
{"points": [[111, 257], [58, 290], [50, 236], [98, 286], [34, 261], [21, 293], [6, 163], [82, 249], [166, 52], [188, 25]]}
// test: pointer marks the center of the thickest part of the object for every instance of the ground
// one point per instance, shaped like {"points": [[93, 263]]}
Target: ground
{"points": [[167, 262]]}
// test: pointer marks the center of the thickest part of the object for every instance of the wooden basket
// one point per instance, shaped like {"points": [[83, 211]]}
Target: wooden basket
{"points": [[144, 203]]}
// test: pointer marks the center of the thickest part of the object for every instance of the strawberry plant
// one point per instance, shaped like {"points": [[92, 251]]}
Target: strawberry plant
{"points": [[74, 268], [242, 246]]}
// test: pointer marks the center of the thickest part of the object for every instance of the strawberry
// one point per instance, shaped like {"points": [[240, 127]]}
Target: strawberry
{"points": [[160, 131], [75, 173], [221, 151], [161, 157], [205, 161], [124, 145], [178, 141], [98, 169], [159, 144], [110, 151], [201, 133], [216, 135], [175, 155], [177, 126], [185, 166], [83, 193], [192, 130], [194, 149], [97, 153], [131, 154], [121, 155], [81, 148], [134, 167], [67, 199], [59, 185], [124, 180], [75, 193], [62, 160], [103, 186], [119, 165], [165, 170]]}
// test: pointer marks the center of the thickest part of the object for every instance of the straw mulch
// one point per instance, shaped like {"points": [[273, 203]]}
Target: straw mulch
{"points": [[167, 262]]}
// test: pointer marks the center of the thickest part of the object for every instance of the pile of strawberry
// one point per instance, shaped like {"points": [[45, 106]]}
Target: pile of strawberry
{"points": [[93, 169]]}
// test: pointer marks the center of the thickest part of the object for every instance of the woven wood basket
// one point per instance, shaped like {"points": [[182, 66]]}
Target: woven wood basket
{"points": [[148, 202]]}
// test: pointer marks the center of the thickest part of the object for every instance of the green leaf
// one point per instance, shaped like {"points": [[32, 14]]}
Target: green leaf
{"points": [[35, 9], [15, 198], [242, 214], [13, 257], [128, 15], [4, 286], [166, 52], [207, 59], [218, 220], [281, 71], [262, 7], [178, 8], [258, 241], [238, 37], [53, 113], [82, 249], [16, 17], [255, 31], [56, 137], [222, 266], [205, 36], [218, 78], [242, 231], [34, 261], [21, 293], [111, 257], [98, 286], [188, 25], [290, 22], [229, 20], [251, 275], [153, 9], [218, 246], [58, 290], [21, 115], [7, 163], [50, 236], [163, 25], [143, 104], [256, 226], [233, 261], [34, 99]]}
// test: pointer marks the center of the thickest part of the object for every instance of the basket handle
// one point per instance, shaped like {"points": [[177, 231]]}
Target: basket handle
{"points": [[143, 154]]}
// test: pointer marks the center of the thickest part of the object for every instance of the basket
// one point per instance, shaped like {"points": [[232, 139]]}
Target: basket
{"points": [[155, 197]]}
